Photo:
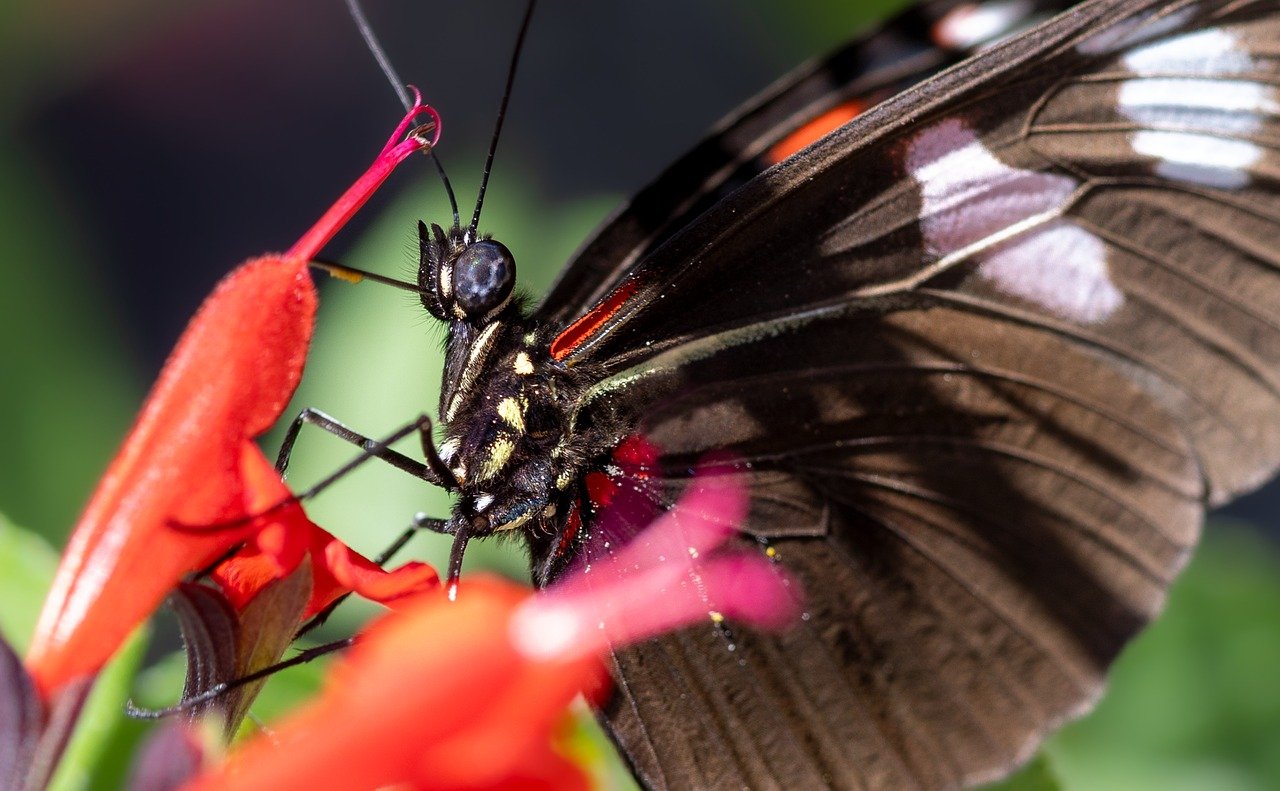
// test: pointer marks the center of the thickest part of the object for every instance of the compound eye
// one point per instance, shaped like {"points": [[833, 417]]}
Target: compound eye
{"points": [[483, 277]]}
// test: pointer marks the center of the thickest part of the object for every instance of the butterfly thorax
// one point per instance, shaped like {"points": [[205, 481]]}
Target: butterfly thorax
{"points": [[505, 432]]}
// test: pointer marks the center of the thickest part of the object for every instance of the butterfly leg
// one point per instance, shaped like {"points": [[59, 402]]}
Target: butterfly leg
{"points": [[220, 689], [421, 522], [435, 471], [461, 535]]}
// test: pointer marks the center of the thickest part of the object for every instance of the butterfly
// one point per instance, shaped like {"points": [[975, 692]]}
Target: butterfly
{"points": [[982, 347]]}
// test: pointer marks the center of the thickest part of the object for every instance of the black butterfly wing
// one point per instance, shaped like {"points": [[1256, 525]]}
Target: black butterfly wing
{"points": [[914, 44], [985, 353], [970, 566]]}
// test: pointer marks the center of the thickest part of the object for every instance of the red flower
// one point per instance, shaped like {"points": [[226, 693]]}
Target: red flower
{"points": [[190, 457], [470, 694], [437, 696], [276, 549]]}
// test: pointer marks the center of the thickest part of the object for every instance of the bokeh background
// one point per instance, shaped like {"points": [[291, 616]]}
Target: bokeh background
{"points": [[146, 147]]}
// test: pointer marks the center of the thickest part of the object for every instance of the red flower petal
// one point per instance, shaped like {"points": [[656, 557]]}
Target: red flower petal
{"points": [[181, 462], [190, 458], [276, 550], [339, 570], [420, 696], [468, 694]]}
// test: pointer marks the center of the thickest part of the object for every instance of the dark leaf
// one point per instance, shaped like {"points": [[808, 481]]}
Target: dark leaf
{"points": [[170, 757], [21, 715], [64, 714], [210, 630]]}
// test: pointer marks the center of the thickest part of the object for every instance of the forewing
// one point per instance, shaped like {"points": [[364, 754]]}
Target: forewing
{"points": [[1115, 187], [795, 111], [985, 354]]}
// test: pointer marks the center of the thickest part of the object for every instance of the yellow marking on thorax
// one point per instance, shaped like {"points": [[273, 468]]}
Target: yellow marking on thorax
{"points": [[523, 365], [475, 362], [512, 412], [499, 453]]}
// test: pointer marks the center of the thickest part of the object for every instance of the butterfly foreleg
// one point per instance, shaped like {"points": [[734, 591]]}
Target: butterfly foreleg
{"points": [[434, 471]]}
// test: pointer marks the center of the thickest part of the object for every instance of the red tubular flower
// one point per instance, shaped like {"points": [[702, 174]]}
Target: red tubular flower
{"points": [[190, 458], [469, 694]]}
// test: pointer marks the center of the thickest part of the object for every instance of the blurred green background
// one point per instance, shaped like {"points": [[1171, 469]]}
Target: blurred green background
{"points": [[147, 147]]}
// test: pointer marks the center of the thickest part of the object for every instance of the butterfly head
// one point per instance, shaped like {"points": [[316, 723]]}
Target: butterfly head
{"points": [[462, 278]]}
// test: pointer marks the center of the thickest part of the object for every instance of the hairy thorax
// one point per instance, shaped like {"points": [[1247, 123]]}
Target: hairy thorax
{"points": [[507, 435]]}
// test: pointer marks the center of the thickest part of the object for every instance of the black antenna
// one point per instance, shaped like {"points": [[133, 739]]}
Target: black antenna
{"points": [[397, 85], [502, 114]]}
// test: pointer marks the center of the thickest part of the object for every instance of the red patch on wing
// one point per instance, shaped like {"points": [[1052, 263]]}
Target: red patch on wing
{"points": [[571, 529], [600, 489], [813, 131], [637, 456], [624, 493], [573, 335]]}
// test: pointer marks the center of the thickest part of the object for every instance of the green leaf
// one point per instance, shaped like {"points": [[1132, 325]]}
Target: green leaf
{"points": [[267, 628], [93, 754], [27, 565], [1194, 702], [98, 753]]}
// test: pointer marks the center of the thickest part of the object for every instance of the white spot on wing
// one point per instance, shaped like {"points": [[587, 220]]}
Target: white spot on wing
{"points": [[1199, 159], [968, 196], [1062, 267], [1204, 52], [970, 25], [1201, 121], [1231, 106]]}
